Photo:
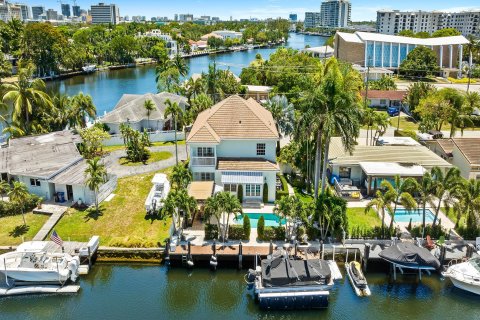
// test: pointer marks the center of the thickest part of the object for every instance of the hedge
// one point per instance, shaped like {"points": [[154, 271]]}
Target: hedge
{"points": [[236, 232], [468, 233], [240, 193], [435, 232], [261, 227], [211, 231], [11, 209], [246, 227], [273, 233], [265, 193], [284, 192]]}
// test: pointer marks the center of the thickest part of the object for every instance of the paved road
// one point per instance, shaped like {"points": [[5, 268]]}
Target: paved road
{"points": [[114, 167], [473, 87]]}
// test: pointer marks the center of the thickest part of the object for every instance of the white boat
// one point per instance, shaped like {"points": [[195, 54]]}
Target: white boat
{"points": [[39, 266], [466, 275], [89, 68], [357, 279], [159, 191]]}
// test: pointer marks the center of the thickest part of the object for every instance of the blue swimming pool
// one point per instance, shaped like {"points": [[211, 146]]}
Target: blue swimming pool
{"points": [[271, 220], [402, 215]]}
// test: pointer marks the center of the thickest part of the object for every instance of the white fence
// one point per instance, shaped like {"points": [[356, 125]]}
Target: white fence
{"points": [[157, 136], [104, 191]]}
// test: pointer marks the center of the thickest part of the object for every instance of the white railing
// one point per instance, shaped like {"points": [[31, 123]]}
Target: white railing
{"points": [[203, 161]]}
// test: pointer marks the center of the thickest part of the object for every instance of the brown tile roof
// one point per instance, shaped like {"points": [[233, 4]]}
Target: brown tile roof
{"points": [[446, 145], [201, 190], [247, 164], [233, 118], [396, 95], [470, 148]]}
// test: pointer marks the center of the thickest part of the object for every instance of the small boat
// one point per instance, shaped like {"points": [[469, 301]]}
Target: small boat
{"points": [[159, 191], [357, 279], [39, 266], [89, 68], [466, 275]]}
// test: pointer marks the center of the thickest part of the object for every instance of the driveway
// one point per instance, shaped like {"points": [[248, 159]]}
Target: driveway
{"points": [[114, 167]]}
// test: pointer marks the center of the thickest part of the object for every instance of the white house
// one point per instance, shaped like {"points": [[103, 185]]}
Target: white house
{"points": [[228, 34], [172, 45], [51, 164], [233, 143]]}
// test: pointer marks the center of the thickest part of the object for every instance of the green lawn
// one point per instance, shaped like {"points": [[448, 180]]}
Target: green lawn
{"points": [[302, 196], [12, 228], [406, 123], [154, 157], [154, 144], [122, 221], [358, 218]]}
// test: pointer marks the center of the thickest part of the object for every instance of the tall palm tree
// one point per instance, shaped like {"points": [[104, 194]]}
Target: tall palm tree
{"points": [[186, 203], [4, 188], [170, 209], [283, 113], [83, 108], [201, 103], [446, 187], [469, 202], [369, 120], [382, 201], [96, 175], [25, 95], [149, 106], [471, 47], [181, 176], [17, 194], [212, 210], [381, 122], [179, 63], [425, 193], [400, 193], [174, 110], [229, 204]]}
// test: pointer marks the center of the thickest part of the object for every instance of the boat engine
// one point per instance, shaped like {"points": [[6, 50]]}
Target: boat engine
{"points": [[72, 266], [250, 278]]}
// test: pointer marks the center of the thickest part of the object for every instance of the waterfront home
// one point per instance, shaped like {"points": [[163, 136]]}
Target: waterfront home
{"points": [[233, 143], [49, 165], [170, 44], [259, 93], [131, 110], [367, 166], [463, 153], [385, 98], [223, 34], [388, 51], [323, 52]]}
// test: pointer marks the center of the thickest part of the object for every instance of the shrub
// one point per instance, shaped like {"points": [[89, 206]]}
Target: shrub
{"points": [[11, 209], [235, 232], [284, 192], [246, 227], [469, 233], [265, 193], [261, 227], [240, 193], [273, 233], [211, 231], [435, 232], [406, 133]]}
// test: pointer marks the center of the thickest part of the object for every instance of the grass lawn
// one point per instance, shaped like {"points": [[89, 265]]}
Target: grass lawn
{"points": [[452, 216], [154, 144], [12, 228], [302, 196], [358, 218], [406, 123], [122, 221], [154, 157]]}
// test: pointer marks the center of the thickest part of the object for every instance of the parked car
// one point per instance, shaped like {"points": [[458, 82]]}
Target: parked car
{"points": [[393, 111]]}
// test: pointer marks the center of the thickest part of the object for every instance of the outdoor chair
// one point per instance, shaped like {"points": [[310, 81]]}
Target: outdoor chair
{"points": [[429, 244]]}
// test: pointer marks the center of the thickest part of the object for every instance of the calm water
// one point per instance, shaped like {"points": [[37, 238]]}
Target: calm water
{"points": [[152, 292], [106, 88]]}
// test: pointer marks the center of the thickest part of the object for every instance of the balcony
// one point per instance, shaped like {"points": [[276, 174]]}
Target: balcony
{"points": [[204, 161]]}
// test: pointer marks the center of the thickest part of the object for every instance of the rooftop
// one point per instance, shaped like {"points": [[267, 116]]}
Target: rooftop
{"points": [[361, 37], [396, 95], [470, 148], [233, 118], [201, 190], [387, 169]]}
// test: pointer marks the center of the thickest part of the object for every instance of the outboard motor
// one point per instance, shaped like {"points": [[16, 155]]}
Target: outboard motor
{"points": [[72, 266], [250, 278]]}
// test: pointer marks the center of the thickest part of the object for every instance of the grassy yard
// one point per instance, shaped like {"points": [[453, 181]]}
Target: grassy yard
{"points": [[154, 144], [122, 221], [358, 218], [302, 196], [154, 157], [406, 123], [12, 228]]}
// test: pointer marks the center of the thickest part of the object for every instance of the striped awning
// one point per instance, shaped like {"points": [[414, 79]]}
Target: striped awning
{"points": [[238, 177]]}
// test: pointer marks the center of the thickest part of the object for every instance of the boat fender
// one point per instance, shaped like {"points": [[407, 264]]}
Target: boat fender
{"points": [[190, 263], [213, 261]]}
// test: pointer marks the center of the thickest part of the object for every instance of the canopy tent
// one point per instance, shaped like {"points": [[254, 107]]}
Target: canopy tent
{"points": [[201, 190]]}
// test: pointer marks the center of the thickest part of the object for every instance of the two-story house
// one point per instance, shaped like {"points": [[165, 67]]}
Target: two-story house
{"points": [[233, 143]]}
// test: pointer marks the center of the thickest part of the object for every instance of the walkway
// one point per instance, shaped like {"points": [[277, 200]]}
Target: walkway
{"points": [[114, 167], [56, 214]]}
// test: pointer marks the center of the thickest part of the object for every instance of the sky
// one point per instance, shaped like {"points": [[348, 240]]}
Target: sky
{"points": [[361, 9]]}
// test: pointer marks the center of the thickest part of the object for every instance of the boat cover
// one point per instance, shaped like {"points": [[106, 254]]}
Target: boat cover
{"points": [[411, 256], [281, 271]]}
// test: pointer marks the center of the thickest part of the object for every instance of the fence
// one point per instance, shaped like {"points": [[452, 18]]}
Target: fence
{"points": [[157, 136], [104, 191]]}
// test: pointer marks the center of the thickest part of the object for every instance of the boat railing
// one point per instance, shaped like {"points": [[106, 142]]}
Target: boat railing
{"points": [[455, 273]]}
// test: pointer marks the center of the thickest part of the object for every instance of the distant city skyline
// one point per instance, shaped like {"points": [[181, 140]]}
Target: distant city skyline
{"points": [[261, 9]]}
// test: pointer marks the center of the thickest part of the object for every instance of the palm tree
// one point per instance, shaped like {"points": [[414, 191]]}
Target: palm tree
{"points": [[381, 122], [181, 176], [178, 62], [225, 204], [149, 106], [195, 87], [212, 210], [4, 188], [170, 209], [469, 202], [25, 95], [290, 209], [425, 193], [400, 193], [369, 120], [470, 47], [201, 103], [283, 113], [17, 194], [382, 201], [186, 203], [83, 108], [446, 186], [96, 174], [176, 112]]}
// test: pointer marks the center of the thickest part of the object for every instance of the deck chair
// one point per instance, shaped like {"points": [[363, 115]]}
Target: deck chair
{"points": [[441, 240], [429, 244], [477, 244]]}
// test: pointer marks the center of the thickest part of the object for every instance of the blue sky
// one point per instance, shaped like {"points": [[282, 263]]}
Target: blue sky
{"points": [[361, 9]]}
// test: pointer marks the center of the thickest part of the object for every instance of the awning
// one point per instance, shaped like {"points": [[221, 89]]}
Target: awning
{"points": [[391, 169], [242, 177]]}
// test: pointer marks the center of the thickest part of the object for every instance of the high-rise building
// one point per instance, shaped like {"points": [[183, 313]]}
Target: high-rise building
{"points": [[394, 21], [293, 17], [336, 13], [9, 11], [76, 11], [312, 20], [37, 11], [52, 14], [66, 10], [25, 11], [105, 13], [185, 17]]}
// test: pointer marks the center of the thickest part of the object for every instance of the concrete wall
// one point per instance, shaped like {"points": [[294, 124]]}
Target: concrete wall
{"points": [[161, 136], [43, 190]]}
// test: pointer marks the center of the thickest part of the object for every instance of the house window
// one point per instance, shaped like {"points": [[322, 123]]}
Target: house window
{"points": [[35, 182], [383, 101], [260, 149], [204, 176], [344, 172], [205, 152], [252, 190], [230, 187]]}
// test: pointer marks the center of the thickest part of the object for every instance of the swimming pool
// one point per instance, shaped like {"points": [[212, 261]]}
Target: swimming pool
{"points": [[271, 220], [403, 215]]}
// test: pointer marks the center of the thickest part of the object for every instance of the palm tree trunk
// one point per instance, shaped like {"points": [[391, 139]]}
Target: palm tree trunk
{"points": [[392, 218], [383, 222], [437, 211], [318, 155], [176, 146], [325, 161], [423, 218], [96, 201], [368, 129]]}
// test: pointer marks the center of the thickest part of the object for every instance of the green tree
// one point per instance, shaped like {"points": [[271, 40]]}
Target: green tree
{"points": [[382, 201], [18, 194], [420, 62], [446, 186], [201, 103], [283, 113], [331, 214], [291, 210], [96, 175], [407, 33], [400, 193], [446, 32], [92, 142], [4, 188], [149, 106], [385, 83], [181, 176], [425, 191], [174, 110], [83, 108], [246, 227], [416, 92], [381, 122]]}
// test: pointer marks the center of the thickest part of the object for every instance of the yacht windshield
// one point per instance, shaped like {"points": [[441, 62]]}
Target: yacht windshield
{"points": [[476, 263]]}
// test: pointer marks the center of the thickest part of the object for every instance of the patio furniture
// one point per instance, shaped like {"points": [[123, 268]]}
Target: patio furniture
{"points": [[429, 244]]}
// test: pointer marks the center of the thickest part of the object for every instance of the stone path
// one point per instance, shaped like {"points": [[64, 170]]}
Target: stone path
{"points": [[57, 213], [114, 167]]}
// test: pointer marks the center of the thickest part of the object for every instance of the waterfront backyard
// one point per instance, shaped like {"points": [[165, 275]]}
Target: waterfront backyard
{"points": [[13, 231]]}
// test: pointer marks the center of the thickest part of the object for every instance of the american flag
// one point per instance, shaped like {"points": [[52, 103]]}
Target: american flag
{"points": [[56, 238]]}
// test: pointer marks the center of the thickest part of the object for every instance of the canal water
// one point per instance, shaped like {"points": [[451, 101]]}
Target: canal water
{"points": [[107, 87], [136, 291]]}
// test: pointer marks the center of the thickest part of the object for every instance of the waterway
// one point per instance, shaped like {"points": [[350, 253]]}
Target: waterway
{"points": [[152, 292], [107, 87]]}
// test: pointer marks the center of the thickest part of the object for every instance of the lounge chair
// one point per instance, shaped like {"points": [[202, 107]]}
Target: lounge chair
{"points": [[429, 244]]}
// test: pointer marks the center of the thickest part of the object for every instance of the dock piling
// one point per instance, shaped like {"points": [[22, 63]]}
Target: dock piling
{"points": [[443, 253], [296, 245], [470, 250], [366, 255], [167, 252], [270, 251], [323, 249], [240, 249]]}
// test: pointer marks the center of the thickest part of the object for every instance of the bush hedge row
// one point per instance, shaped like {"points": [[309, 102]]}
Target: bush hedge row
{"points": [[211, 231], [284, 192], [236, 232], [12, 209]]}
